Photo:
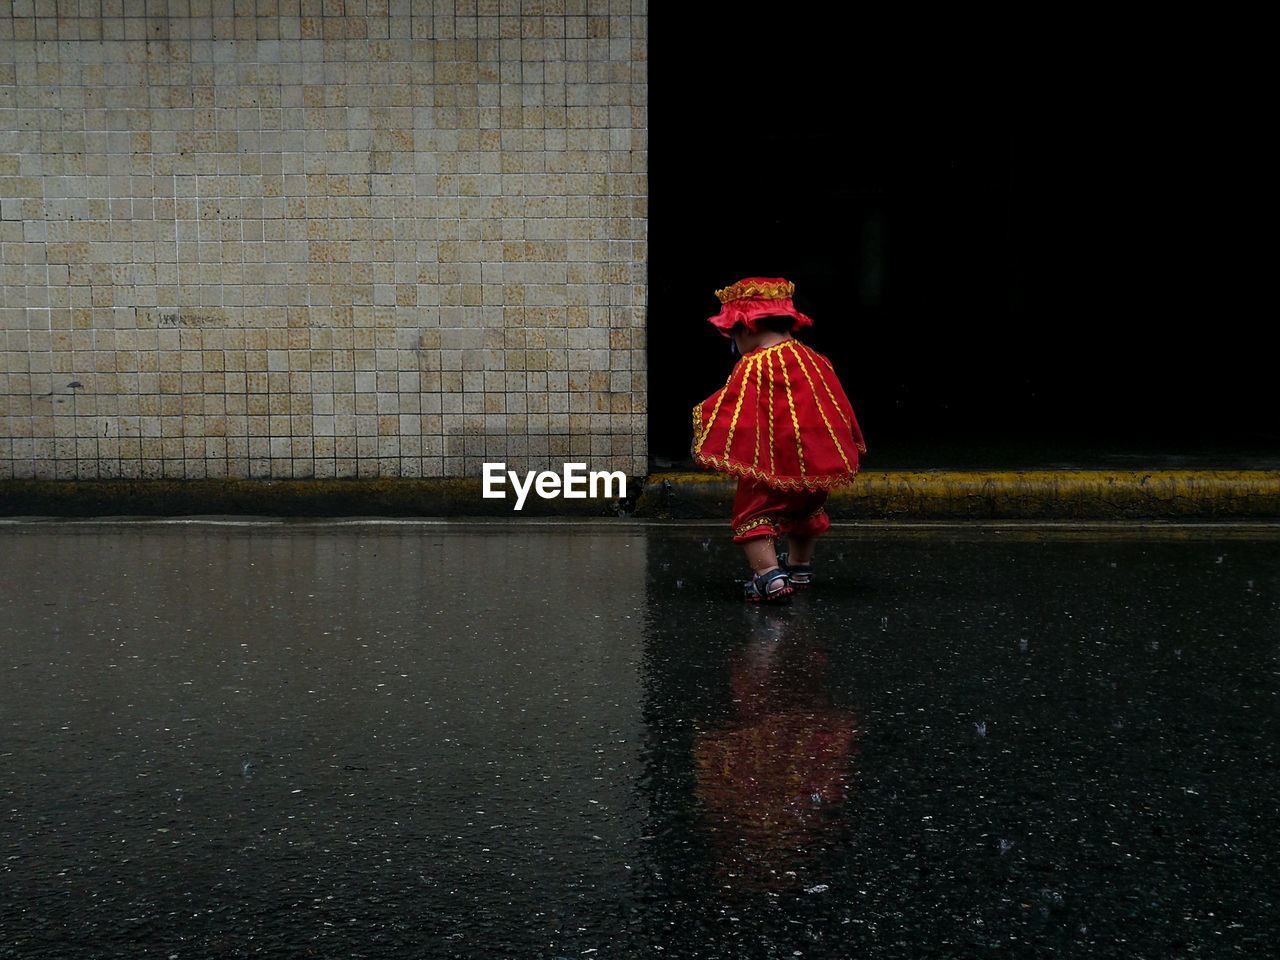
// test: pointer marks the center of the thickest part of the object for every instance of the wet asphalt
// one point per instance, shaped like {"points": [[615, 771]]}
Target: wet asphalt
{"points": [[546, 739]]}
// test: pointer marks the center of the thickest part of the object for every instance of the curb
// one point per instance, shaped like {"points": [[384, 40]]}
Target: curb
{"points": [[399, 497], [1003, 495], [954, 495]]}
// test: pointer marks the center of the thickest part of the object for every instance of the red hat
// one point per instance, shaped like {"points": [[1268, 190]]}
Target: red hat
{"points": [[754, 298]]}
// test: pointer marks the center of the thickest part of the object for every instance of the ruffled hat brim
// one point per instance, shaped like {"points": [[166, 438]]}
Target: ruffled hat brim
{"points": [[753, 299], [747, 312]]}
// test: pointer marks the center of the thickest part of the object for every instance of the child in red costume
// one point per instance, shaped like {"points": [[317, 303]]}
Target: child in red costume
{"points": [[783, 425]]}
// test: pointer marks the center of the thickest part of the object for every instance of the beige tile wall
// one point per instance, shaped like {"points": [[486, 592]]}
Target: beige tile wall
{"points": [[327, 238]]}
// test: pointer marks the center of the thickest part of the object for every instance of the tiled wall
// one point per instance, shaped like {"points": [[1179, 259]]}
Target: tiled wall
{"points": [[327, 238]]}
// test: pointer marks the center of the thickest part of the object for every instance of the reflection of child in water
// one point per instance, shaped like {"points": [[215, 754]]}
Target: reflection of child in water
{"points": [[773, 779], [783, 425]]}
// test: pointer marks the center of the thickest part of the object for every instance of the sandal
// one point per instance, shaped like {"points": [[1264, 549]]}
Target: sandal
{"points": [[800, 574], [771, 587]]}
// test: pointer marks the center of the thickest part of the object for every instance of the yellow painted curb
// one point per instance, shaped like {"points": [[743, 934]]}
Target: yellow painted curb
{"points": [[1032, 494], [399, 497], [1011, 495]]}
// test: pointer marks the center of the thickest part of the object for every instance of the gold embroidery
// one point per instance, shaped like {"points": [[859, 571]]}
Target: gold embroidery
{"points": [[822, 413], [769, 359], [742, 395], [777, 483], [710, 420], [862, 447], [823, 377], [847, 418], [741, 376], [765, 291], [795, 421], [755, 460], [762, 351], [755, 524]]}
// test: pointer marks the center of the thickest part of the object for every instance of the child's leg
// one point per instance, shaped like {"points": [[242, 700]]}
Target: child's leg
{"points": [[800, 549], [802, 537], [754, 525], [761, 554], [769, 582], [755, 528]]}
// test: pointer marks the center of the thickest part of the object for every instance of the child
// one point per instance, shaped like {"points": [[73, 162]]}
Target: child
{"points": [[783, 425]]}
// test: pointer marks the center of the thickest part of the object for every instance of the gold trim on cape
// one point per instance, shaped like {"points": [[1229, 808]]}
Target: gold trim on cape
{"points": [[755, 362]]}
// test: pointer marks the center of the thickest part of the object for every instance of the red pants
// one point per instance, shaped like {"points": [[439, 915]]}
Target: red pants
{"points": [[760, 511]]}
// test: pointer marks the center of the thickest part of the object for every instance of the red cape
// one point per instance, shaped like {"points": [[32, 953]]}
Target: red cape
{"points": [[782, 418]]}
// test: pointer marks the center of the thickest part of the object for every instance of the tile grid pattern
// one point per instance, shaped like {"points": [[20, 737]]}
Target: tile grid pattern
{"points": [[349, 238]]}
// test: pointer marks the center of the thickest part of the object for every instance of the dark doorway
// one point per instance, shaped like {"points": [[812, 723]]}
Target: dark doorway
{"points": [[1014, 256]]}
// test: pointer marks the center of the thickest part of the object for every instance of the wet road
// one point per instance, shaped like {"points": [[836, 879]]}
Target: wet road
{"points": [[539, 740]]}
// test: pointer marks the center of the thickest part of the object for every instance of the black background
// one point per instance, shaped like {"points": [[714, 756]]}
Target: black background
{"points": [[1020, 242]]}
